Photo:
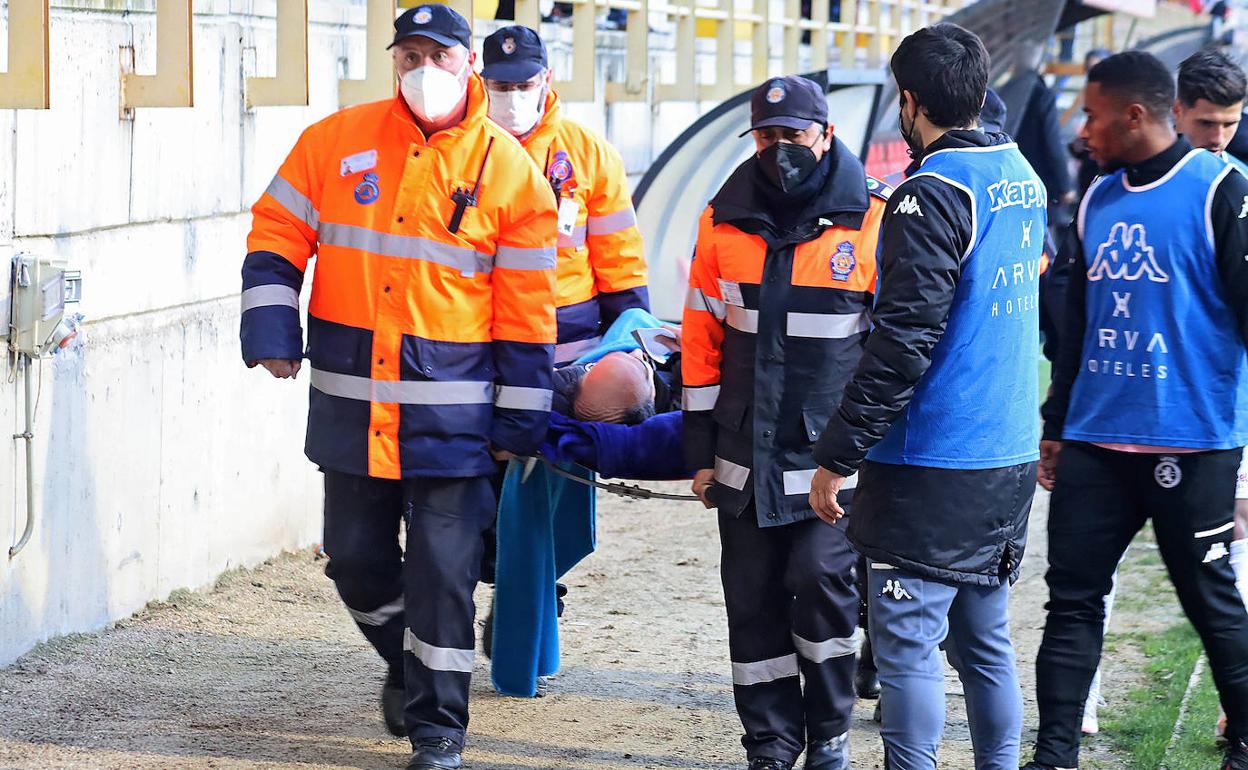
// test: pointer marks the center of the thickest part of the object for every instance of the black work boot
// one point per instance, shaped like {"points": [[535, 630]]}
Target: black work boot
{"points": [[1037, 766], [435, 754], [832, 754], [1236, 756], [866, 677], [769, 763], [393, 701]]}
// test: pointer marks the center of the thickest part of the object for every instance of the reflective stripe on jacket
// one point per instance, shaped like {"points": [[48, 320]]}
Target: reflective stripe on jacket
{"points": [[426, 345], [774, 324], [602, 262]]}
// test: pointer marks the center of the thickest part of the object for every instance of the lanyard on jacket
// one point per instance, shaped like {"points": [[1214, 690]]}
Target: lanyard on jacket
{"points": [[463, 198]]}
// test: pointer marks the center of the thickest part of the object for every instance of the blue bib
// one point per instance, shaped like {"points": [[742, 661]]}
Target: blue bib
{"points": [[977, 406], [1163, 363]]}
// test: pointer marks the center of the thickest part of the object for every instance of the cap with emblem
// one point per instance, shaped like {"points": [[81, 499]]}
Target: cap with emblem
{"points": [[436, 22], [788, 102], [512, 55]]}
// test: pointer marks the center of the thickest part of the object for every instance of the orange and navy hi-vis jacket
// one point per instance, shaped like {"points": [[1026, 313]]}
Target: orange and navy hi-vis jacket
{"points": [[602, 263], [427, 343], [775, 321]]}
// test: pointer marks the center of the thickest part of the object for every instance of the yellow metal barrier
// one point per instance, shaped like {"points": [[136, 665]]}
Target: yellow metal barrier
{"points": [[25, 84], [172, 84], [290, 85], [864, 34]]}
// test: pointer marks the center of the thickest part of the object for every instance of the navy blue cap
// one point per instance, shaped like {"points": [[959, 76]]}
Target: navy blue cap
{"points": [[436, 22], [788, 102], [513, 55]]}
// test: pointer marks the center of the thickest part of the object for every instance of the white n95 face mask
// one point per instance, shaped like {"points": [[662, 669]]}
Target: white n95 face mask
{"points": [[433, 93], [517, 111]]}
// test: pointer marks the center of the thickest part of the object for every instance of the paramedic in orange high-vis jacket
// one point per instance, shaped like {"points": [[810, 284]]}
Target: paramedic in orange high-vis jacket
{"points": [[431, 332], [602, 263]]}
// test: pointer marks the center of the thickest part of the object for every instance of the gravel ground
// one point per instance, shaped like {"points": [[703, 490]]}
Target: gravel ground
{"points": [[267, 671]]}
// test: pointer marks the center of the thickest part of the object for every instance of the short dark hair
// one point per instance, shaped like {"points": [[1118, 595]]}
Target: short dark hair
{"points": [[1210, 74], [946, 68], [638, 413], [1138, 77]]}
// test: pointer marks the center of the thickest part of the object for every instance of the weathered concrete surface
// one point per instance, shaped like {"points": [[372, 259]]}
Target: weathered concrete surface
{"points": [[267, 671]]}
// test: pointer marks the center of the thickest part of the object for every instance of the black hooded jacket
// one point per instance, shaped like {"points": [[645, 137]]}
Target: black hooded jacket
{"points": [[961, 526]]}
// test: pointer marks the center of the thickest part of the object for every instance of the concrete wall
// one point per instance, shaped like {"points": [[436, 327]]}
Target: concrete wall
{"points": [[160, 461]]}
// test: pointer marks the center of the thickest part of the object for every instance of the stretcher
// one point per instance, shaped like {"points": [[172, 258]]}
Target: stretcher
{"points": [[546, 518]]}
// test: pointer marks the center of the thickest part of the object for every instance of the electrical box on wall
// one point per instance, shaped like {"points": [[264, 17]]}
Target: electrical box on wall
{"points": [[41, 287]]}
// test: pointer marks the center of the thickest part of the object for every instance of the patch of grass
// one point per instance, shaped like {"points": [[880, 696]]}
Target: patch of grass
{"points": [[1143, 729], [1195, 745]]}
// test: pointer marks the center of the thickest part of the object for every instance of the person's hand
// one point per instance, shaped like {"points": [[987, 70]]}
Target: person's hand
{"points": [[1046, 469], [702, 481], [502, 455], [824, 488], [281, 368], [672, 343]]}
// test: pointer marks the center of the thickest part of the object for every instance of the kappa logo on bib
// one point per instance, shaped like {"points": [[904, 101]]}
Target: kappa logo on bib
{"points": [[1126, 256]]}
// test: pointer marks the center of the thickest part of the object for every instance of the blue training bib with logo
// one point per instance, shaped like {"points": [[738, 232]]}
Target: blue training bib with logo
{"points": [[1163, 363], [976, 406]]}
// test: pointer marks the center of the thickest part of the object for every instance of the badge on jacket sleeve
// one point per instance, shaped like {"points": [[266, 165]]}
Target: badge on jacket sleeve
{"points": [[843, 261], [367, 191]]}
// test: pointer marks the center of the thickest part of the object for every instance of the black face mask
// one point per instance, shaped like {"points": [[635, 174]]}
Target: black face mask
{"points": [[914, 144], [787, 165]]}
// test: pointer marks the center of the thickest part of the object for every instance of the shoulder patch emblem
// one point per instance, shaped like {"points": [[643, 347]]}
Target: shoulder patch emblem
{"points": [[879, 189], [843, 261]]}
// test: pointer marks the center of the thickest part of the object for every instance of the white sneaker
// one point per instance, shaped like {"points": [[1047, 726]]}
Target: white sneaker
{"points": [[1091, 726]]}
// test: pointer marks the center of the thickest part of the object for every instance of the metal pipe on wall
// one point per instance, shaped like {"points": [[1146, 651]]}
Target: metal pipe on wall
{"points": [[29, 435]]}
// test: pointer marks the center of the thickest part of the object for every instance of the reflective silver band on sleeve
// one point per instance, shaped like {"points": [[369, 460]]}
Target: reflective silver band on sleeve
{"points": [[516, 258], [701, 399], [402, 391], [612, 223], [269, 295], [294, 201], [730, 474], [516, 397]]}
